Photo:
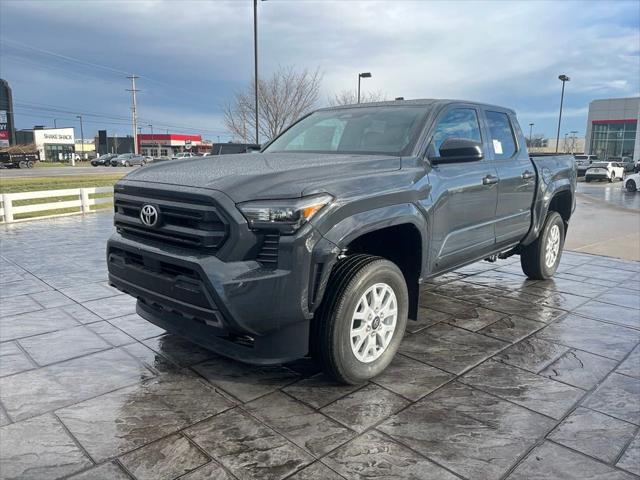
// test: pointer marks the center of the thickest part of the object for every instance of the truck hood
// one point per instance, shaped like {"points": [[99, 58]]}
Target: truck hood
{"points": [[256, 176]]}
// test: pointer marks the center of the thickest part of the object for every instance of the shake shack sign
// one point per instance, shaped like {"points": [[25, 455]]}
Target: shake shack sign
{"points": [[57, 136]]}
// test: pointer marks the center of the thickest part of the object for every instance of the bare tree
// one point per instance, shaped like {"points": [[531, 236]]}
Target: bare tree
{"points": [[283, 98], [348, 97]]}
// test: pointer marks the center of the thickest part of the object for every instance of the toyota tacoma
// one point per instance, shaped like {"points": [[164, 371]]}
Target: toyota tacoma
{"points": [[317, 244]]}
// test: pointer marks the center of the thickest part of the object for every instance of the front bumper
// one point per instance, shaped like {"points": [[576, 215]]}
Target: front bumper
{"points": [[237, 308]]}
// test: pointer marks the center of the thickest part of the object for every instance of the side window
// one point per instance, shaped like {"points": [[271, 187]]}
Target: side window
{"points": [[457, 123], [501, 132]]}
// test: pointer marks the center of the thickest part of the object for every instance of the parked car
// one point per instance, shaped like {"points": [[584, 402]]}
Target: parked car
{"points": [[625, 162], [181, 155], [128, 160], [103, 160], [632, 182], [628, 164], [604, 171], [583, 162], [319, 242]]}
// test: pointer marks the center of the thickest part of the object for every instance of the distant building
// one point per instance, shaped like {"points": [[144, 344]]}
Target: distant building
{"points": [[169, 144], [86, 149], [54, 144], [105, 144], [7, 125], [612, 128], [568, 144]]}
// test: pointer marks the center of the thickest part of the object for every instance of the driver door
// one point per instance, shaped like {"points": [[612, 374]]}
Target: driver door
{"points": [[464, 194]]}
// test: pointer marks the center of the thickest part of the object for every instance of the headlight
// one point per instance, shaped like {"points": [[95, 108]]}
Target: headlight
{"points": [[284, 215]]}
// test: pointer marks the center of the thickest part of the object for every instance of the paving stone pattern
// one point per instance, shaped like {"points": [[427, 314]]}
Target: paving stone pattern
{"points": [[499, 378]]}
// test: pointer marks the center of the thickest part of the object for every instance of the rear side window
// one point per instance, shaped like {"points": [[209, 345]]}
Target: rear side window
{"points": [[502, 138], [457, 123]]}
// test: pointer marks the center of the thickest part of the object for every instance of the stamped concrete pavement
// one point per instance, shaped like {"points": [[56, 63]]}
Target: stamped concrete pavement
{"points": [[499, 378]]}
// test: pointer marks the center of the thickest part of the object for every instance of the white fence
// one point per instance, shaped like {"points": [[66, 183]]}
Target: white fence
{"points": [[83, 202]]}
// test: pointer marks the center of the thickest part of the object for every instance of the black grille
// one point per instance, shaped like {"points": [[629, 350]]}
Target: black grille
{"points": [[268, 254], [193, 223]]}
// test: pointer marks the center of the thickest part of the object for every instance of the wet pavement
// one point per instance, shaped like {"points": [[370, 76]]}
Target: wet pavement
{"points": [[612, 193], [500, 378]]}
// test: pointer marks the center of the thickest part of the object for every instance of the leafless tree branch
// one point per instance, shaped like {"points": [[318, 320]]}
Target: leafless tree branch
{"points": [[283, 97]]}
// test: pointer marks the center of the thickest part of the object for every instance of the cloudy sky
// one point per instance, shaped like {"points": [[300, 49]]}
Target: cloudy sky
{"points": [[68, 57]]}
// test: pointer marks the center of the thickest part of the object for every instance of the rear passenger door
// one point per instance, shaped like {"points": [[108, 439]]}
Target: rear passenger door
{"points": [[516, 173]]}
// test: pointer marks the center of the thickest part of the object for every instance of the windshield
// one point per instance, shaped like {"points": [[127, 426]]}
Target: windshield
{"points": [[376, 130]]}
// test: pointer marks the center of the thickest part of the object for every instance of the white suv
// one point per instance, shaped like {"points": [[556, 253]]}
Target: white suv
{"points": [[604, 171]]}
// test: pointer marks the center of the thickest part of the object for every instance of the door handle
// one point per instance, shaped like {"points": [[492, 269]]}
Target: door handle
{"points": [[527, 174], [489, 180]]}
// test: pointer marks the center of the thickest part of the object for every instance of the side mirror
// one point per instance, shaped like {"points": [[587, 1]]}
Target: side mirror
{"points": [[459, 150]]}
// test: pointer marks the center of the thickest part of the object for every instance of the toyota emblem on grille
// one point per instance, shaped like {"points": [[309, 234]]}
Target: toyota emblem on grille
{"points": [[149, 215]]}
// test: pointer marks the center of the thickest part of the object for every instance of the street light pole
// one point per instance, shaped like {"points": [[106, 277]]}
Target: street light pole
{"points": [[255, 63], [81, 135], [55, 124], [563, 78], [573, 141], [362, 75], [531, 135]]}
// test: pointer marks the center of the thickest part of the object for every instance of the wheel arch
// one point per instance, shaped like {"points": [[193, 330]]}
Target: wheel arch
{"points": [[397, 233]]}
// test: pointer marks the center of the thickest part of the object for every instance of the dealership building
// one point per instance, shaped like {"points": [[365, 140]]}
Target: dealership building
{"points": [[169, 144], [612, 128]]}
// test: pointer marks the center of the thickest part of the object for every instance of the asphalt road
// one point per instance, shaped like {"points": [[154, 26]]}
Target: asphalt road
{"points": [[61, 171]]}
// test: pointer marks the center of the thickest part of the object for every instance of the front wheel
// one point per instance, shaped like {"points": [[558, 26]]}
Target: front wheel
{"points": [[360, 325], [540, 259], [631, 186]]}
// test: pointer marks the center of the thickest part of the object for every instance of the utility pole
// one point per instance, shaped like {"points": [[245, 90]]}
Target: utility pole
{"points": [[81, 135], [153, 141], [55, 124], [531, 135], [134, 111], [255, 63]]}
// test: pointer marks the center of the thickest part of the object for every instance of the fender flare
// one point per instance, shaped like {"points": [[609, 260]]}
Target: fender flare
{"points": [[339, 236]]}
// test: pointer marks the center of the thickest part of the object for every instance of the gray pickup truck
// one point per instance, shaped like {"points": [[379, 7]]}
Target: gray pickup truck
{"points": [[318, 244]]}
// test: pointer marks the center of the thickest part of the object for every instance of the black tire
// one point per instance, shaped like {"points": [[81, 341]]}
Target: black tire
{"points": [[22, 164], [587, 179], [127, 163], [331, 338], [29, 164], [612, 177], [532, 257], [631, 186]]}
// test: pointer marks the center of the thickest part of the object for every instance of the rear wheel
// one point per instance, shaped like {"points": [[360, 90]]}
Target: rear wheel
{"points": [[30, 164], [22, 164], [127, 163], [360, 325], [587, 179], [631, 186], [540, 259]]}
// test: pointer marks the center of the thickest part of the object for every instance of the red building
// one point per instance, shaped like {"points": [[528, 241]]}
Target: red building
{"points": [[168, 144]]}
